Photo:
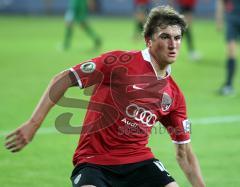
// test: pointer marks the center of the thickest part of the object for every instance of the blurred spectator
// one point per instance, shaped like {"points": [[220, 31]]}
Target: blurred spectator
{"points": [[232, 22], [186, 7], [141, 10], [48, 6], [78, 12]]}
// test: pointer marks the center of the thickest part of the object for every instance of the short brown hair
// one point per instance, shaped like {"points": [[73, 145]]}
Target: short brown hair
{"points": [[163, 16]]}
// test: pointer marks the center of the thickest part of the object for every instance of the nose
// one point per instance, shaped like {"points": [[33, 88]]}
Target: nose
{"points": [[172, 43]]}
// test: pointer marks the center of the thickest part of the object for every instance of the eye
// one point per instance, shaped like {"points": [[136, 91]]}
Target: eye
{"points": [[164, 36], [179, 37]]}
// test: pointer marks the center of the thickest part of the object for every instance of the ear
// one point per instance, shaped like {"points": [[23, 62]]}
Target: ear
{"points": [[148, 42]]}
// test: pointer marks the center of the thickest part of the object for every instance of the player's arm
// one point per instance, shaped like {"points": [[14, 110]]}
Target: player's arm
{"points": [[188, 162], [219, 14], [20, 137], [179, 128]]}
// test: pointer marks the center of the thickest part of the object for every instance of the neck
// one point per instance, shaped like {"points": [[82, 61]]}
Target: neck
{"points": [[160, 69]]}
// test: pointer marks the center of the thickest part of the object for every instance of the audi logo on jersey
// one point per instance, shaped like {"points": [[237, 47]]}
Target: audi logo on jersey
{"points": [[140, 114]]}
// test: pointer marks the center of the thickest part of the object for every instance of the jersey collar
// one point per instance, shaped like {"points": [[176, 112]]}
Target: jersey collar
{"points": [[146, 57]]}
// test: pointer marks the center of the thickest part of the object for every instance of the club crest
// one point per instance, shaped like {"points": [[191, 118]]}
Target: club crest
{"points": [[88, 67], [166, 102]]}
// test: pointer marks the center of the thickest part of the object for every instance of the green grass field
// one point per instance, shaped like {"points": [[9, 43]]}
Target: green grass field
{"points": [[28, 60]]}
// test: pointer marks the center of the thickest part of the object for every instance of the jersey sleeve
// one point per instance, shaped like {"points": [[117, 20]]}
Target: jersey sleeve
{"points": [[177, 124], [91, 72]]}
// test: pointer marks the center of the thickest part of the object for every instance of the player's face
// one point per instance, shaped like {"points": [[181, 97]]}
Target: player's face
{"points": [[165, 43]]}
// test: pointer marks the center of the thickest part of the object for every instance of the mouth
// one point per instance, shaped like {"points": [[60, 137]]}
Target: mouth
{"points": [[172, 54]]}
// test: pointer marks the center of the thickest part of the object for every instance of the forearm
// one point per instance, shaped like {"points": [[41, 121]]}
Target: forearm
{"points": [[55, 90], [190, 166], [19, 138], [42, 109]]}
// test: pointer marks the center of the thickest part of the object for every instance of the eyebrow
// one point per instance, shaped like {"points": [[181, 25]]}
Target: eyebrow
{"points": [[163, 33]]}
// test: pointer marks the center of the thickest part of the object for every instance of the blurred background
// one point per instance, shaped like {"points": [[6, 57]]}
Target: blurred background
{"points": [[104, 7], [36, 43]]}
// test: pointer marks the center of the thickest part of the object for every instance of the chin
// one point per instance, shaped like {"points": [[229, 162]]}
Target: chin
{"points": [[171, 60]]}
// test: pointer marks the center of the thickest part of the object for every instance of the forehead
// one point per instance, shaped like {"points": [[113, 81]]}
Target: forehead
{"points": [[170, 29]]}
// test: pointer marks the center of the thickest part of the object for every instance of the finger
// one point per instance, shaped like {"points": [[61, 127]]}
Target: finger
{"points": [[11, 146], [14, 133], [12, 140], [15, 142], [18, 147]]}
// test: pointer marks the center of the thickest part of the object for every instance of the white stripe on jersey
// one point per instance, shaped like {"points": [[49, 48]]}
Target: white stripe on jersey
{"points": [[77, 77]]}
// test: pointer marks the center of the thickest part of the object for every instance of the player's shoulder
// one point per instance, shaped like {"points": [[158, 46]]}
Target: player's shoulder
{"points": [[111, 57], [174, 86], [120, 52], [175, 93]]}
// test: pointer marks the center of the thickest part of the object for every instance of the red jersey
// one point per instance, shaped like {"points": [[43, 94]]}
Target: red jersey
{"points": [[141, 2], [187, 3], [127, 100]]}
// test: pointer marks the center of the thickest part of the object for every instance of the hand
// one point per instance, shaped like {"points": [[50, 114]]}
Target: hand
{"points": [[18, 139]]}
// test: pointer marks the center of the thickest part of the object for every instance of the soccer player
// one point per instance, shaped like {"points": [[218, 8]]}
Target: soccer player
{"points": [[78, 12], [232, 21], [133, 90], [141, 10]]}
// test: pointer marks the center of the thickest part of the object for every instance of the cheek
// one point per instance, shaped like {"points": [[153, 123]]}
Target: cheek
{"points": [[160, 46], [178, 44]]}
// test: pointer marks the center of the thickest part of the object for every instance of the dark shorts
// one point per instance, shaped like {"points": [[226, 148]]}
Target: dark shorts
{"points": [[148, 173], [232, 28]]}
